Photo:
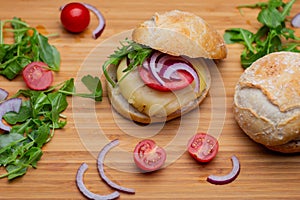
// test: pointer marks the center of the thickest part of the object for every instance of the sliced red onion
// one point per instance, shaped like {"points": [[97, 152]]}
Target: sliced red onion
{"points": [[85, 191], [11, 105], [161, 63], [220, 180], [3, 94], [166, 58], [152, 66], [100, 165], [101, 20], [145, 65], [296, 21], [167, 72]]}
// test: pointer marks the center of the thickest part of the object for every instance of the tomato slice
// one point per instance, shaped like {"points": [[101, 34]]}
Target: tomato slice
{"points": [[184, 80], [203, 147], [36, 76], [148, 156]]}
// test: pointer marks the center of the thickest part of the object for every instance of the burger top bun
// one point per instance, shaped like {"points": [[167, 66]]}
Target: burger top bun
{"points": [[267, 101], [181, 33]]}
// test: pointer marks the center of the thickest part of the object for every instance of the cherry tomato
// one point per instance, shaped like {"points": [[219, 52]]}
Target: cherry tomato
{"points": [[170, 85], [148, 156], [36, 76], [203, 147], [75, 17]]}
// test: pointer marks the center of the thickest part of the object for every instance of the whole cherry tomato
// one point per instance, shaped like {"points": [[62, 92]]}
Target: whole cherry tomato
{"points": [[75, 17]]}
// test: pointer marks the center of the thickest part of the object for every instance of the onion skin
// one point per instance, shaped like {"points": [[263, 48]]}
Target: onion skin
{"points": [[100, 166], [11, 105], [221, 180], [85, 191]]}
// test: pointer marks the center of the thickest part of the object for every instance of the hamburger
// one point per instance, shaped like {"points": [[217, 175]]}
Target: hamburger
{"points": [[267, 101], [162, 72]]}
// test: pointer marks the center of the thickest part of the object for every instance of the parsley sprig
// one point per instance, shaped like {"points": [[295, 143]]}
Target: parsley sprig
{"points": [[272, 36], [135, 52]]}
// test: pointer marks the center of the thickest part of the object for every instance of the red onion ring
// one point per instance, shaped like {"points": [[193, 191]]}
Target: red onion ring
{"points": [[100, 165], [156, 65], [85, 191], [3, 94], [153, 70], [220, 180], [101, 20], [161, 63], [11, 105], [168, 71]]}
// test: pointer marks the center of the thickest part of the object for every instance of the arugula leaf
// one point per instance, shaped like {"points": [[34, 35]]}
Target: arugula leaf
{"points": [[135, 52], [270, 17], [48, 53], [272, 36], [24, 113], [92, 83]]}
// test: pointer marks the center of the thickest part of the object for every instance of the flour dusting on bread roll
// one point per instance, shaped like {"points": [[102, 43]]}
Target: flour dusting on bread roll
{"points": [[181, 33], [267, 101]]}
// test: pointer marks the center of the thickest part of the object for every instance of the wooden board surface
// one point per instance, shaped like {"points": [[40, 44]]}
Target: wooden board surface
{"points": [[264, 174]]}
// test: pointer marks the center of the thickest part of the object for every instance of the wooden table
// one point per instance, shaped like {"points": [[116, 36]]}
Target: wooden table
{"points": [[264, 174]]}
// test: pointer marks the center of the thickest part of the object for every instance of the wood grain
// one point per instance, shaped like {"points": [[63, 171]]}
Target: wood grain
{"points": [[264, 174]]}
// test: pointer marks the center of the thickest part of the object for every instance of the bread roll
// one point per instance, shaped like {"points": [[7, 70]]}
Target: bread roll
{"points": [[267, 101], [181, 33]]}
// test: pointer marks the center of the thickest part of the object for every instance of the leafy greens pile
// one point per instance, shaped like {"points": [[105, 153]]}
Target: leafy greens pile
{"points": [[35, 123], [41, 111], [273, 36], [29, 45]]}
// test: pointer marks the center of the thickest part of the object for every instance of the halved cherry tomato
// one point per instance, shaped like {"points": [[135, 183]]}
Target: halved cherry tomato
{"points": [[75, 17], [148, 156], [170, 85], [203, 147], [37, 76]]}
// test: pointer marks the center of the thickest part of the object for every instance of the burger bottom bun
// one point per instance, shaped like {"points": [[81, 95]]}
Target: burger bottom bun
{"points": [[290, 147], [121, 105], [267, 101]]}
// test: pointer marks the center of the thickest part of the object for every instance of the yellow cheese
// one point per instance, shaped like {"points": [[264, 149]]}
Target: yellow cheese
{"points": [[150, 101]]}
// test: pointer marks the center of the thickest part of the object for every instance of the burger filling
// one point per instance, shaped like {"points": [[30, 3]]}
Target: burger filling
{"points": [[159, 88]]}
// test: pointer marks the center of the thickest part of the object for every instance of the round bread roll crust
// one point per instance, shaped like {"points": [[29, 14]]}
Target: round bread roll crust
{"points": [[181, 33], [267, 101]]}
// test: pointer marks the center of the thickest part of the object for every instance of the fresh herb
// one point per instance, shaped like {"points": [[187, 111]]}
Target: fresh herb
{"points": [[92, 83], [29, 45], [34, 125], [272, 36], [135, 52]]}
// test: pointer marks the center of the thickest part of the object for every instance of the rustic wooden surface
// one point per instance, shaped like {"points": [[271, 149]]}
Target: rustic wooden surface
{"points": [[264, 174]]}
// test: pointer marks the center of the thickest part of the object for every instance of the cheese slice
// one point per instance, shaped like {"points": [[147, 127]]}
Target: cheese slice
{"points": [[153, 102]]}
